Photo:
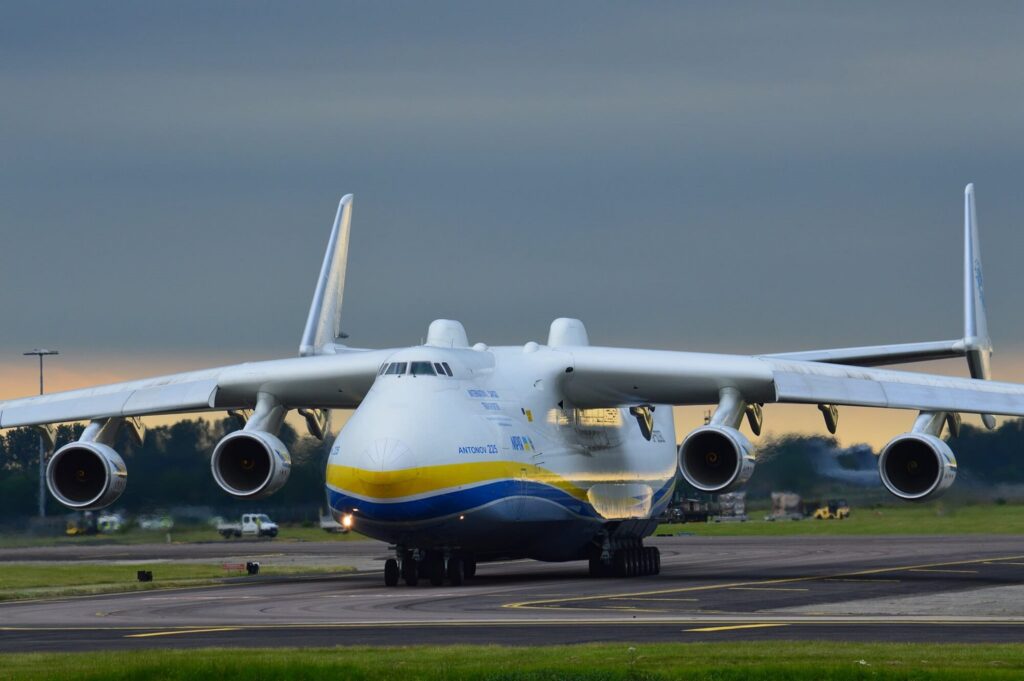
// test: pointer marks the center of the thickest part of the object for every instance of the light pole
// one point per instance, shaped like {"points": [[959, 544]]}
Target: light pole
{"points": [[42, 352]]}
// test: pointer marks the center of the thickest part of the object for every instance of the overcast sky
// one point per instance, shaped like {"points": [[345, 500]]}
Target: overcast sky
{"points": [[707, 176]]}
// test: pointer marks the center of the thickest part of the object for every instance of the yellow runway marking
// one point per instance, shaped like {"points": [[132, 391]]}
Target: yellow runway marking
{"points": [[764, 588], [737, 626], [959, 572], [182, 631], [868, 581], [556, 602], [1004, 563], [641, 598]]}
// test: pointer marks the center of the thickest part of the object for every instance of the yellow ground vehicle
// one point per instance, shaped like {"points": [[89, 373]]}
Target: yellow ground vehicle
{"points": [[835, 509]]}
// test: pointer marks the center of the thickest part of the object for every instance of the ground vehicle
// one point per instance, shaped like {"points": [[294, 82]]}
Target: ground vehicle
{"points": [[80, 523], [835, 509], [108, 523], [252, 525]]}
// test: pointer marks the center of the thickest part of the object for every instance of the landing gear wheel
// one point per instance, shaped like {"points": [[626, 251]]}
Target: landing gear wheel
{"points": [[469, 567], [619, 563], [656, 552], [596, 567], [435, 568], [456, 571], [391, 573], [648, 560], [410, 572]]}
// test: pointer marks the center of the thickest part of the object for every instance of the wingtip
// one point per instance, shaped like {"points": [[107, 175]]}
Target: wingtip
{"points": [[969, 189], [347, 198]]}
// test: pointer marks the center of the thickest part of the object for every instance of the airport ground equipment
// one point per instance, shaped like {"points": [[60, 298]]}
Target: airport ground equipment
{"points": [[834, 509], [786, 506], [460, 452], [250, 525]]}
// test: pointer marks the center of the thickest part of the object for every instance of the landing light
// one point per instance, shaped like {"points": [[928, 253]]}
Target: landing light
{"points": [[346, 521]]}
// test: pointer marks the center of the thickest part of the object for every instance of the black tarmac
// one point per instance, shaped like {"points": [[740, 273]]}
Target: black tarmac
{"points": [[935, 588]]}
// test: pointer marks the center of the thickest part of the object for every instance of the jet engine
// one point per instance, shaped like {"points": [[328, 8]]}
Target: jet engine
{"points": [[716, 458], [916, 466], [250, 464], [86, 475]]}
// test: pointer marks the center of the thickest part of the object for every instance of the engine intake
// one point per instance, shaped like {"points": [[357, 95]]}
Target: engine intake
{"points": [[250, 464], [86, 475], [716, 459], [916, 466]]}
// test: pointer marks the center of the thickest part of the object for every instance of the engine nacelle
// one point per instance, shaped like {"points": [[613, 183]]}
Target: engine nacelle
{"points": [[250, 464], [716, 459], [86, 475], [916, 466]]}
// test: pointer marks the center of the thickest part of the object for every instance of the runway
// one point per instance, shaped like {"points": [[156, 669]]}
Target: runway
{"points": [[937, 588]]}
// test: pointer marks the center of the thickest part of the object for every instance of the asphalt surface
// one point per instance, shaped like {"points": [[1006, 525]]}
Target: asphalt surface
{"points": [[936, 588]]}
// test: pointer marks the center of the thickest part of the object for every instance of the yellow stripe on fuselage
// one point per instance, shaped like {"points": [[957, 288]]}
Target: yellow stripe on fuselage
{"points": [[407, 482]]}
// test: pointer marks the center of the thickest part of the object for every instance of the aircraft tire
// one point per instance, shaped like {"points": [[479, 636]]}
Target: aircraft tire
{"points": [[435, 569], [410, 572], [391, 572], [469, 566], [656, 553], [456, 571], [619, 563], [631, 563], [595, 567]]}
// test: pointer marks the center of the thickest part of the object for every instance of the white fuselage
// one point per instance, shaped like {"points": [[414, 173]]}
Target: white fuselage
{"points": [[494, 460]]}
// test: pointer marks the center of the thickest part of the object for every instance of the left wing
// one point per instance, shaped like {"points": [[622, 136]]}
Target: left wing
{"points": [[333, 381], [611, 377], [327, 381]]}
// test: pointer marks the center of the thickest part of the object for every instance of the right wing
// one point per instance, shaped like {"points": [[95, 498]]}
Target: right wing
{"points": [[597, 377], [327, 382]]}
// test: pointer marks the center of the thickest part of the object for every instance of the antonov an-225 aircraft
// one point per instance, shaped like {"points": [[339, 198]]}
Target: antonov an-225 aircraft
{"points": [[559, 451]]}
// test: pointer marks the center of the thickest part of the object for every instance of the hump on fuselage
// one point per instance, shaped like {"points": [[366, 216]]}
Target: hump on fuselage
{"points": [[447, 333], [566, 331]]}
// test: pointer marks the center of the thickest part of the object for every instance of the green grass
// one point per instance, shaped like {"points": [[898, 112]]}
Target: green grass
{"points": [[48, 580], [907, 519], [789, 661], [179, 535]]}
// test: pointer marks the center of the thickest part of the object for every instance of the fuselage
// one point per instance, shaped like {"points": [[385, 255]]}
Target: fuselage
{"points": [[494, 460]]}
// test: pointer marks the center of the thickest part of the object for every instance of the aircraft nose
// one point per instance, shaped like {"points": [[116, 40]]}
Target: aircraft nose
{"points": [[380, 468], [388, 455]]}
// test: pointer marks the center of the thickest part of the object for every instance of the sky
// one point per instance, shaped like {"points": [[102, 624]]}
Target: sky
{"points": [[724, 177]]}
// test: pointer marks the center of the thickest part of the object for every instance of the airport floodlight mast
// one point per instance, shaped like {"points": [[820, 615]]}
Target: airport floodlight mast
{"points": [[40, 353]]}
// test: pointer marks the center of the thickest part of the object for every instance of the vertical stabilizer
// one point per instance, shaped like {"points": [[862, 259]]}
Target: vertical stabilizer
{"points": [[977, 343], [323, 326]]}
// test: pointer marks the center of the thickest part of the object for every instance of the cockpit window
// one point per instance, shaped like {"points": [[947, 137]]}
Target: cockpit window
{"points": [[422, 369], [396, 368], [447, 368], [440, 369], [382, 368]]}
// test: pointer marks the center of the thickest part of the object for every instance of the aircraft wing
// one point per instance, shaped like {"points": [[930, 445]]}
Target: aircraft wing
{"points": [[609, 377], [337, 381]]}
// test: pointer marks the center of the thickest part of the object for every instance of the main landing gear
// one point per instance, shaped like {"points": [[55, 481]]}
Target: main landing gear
{"points": [[434, 566], [629, 562]]}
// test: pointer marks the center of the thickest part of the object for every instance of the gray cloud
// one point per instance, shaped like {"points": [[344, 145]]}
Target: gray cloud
{"points": [[745, 178]]}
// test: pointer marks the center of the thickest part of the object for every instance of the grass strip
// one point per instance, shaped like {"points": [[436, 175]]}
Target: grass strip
{"points": [[888, 520], [50, 580], [790, 661]]}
